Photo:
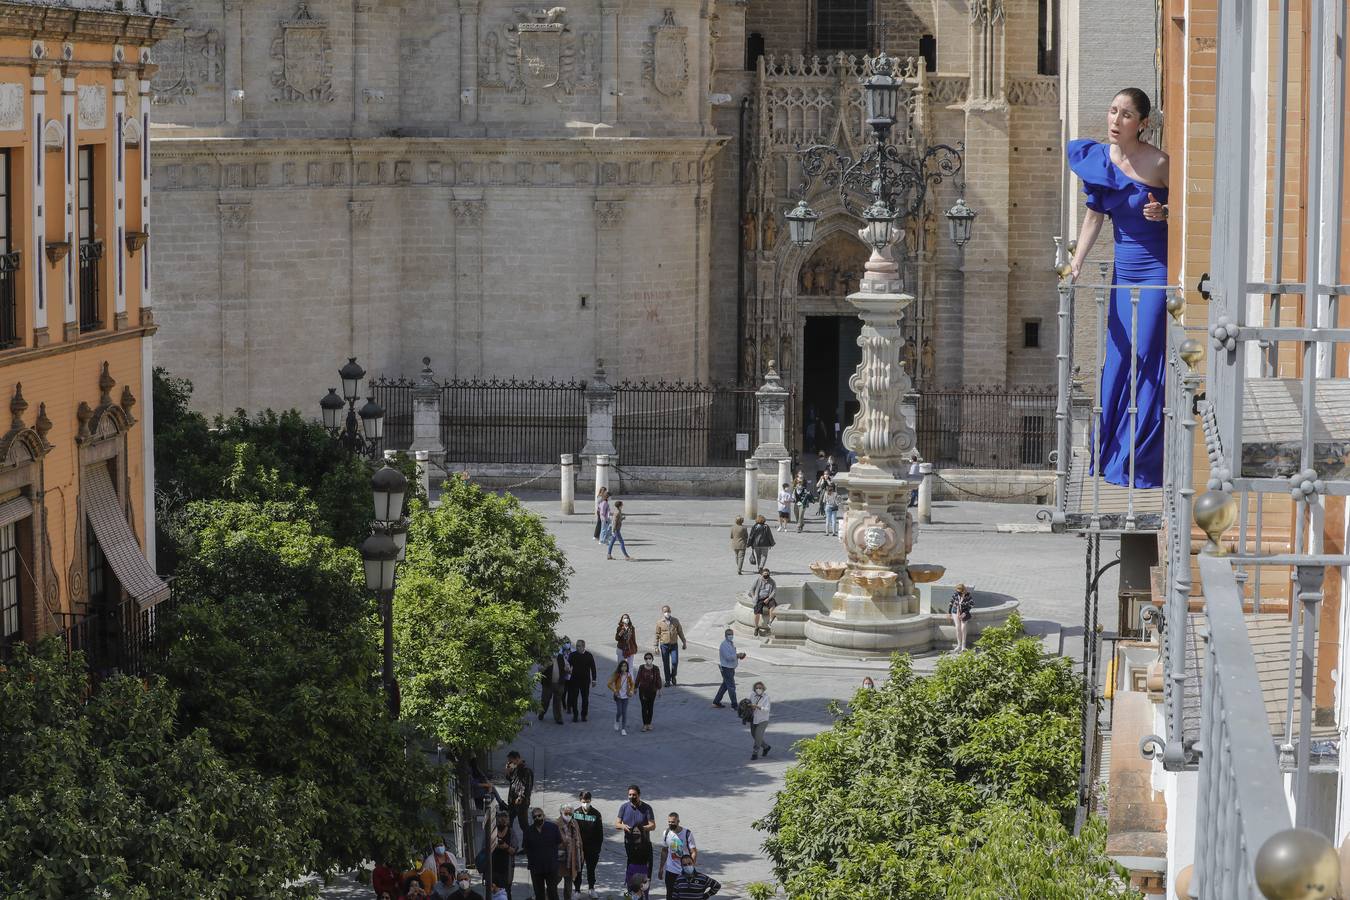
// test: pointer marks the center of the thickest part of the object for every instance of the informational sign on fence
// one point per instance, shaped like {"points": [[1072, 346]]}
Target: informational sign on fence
{"points": [[742, 442]]}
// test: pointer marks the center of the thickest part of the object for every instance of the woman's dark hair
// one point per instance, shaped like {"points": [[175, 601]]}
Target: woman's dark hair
{"points": [[1139, 99], [621, 667]]}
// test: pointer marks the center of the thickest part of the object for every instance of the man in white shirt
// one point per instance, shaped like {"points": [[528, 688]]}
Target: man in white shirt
{"points": [[759, 702], [676, 842], [784, 506]]}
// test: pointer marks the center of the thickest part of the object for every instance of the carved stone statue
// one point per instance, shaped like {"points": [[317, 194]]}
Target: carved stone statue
{"points": [[808, 280], [770, 233], [909, 357], [929, 356], [749, 232]]}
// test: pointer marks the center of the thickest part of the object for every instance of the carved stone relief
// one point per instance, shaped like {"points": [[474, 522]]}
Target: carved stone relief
{"points": [[11, 107], [541, 53], [1034, 91], [667, 56], [490, 61], [304, 55], [468, 212], [187, 59], [93, 106]]}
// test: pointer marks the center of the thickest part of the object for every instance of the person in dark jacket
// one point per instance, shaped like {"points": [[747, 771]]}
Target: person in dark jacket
{"points": [[521, 786], [553, 680], [500, 838], [541, 843], [592, 827], [760, 540], [580, 681]]}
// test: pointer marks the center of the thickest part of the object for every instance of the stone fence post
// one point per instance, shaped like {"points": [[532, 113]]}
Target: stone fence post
{"points": [[771, 414], [600, 401], [569, 485], [423, 458], [426, 407], [751, 489]]}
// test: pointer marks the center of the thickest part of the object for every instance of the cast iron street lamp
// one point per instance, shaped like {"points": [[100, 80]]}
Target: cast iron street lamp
{"points": [[889, 181], [382, 552], [365, 438]]}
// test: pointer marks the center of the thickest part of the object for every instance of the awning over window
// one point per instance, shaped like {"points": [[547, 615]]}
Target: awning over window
{"points": [[14, 510], [116, 539]]}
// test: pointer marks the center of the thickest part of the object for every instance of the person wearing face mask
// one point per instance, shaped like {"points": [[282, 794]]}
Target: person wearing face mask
{"points": [[727, 658], [521, 786], [759, 702], [625, 640], [693, 884], [464, 888], [637, 821], [622, 687], [676, 842], [541, 842], [444, 887], [669, 636], [440, 856], [648, 683], [580, 682], [592, 828], [553, 674], [569, 855]]}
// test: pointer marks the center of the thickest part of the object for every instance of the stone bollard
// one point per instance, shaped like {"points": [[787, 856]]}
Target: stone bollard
{"points": [[926, 493], [784, 475], [423, 458], [601, 472], [751, 490], [569, 485]]}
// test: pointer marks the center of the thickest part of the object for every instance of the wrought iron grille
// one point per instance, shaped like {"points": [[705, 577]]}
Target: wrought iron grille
{"points": [[511, 420], [119, 639], [395, 395], [9, 305], [987, 428], [90, 254], [681, 424]]}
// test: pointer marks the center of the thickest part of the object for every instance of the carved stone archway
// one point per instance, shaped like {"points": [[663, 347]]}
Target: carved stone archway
{"points": [[22, 451]]}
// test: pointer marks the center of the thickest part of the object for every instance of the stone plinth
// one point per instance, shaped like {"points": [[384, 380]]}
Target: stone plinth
{"points": [[600, 402], [771, 402]]}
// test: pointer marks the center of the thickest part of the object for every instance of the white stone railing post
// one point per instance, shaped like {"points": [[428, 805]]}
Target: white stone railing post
{"points": [[601, 472], [751, 489], [426, 408], [423, 458], [784, 475], [569, 484], [926, 493], [600, 402]]}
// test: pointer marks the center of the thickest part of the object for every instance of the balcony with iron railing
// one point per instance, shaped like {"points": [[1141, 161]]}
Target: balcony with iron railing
{"points": [[91, 314], [9, 301]]}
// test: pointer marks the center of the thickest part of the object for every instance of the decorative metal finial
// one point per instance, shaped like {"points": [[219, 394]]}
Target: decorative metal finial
{"points": [[1215, 512], [1191, 352]]}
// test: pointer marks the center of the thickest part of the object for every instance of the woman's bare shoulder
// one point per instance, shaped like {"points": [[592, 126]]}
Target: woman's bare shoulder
{"points": [[1159, 164]]}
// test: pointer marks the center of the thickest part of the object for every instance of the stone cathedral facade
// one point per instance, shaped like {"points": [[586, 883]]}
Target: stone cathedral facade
{"points": [[520, 190]]}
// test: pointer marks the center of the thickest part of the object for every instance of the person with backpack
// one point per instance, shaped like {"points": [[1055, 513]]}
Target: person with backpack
{"points": [[592, 828], [760, 540], [676, 842], [637, 822]]}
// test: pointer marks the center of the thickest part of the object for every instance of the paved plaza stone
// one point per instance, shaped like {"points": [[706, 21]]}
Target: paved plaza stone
{"points": [[697, 760]]}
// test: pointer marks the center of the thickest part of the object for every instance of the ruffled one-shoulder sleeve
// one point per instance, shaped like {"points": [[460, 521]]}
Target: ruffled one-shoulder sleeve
{"points": [[1104, 185]]}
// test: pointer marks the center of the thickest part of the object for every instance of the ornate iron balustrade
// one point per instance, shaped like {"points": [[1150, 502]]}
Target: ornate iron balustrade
{"points": [[91, 252], [681, 424], [9, 304], [987, 427], [121, 639]]}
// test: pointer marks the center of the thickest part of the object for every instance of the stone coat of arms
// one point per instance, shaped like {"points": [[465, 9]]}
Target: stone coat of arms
{"points": [[304, 53], [187, 58], [667, 62], [540, 53]]}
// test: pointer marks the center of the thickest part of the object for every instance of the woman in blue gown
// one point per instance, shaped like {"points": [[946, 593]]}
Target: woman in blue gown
{"points": [[1126, 179]]}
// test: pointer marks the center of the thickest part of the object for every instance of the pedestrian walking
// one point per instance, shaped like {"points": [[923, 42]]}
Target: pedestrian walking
{"points": [[961, 610], [648, 683], [603, 510], [592, 828], [553, 674], [601, 495], [569, 855], [625, 639], [637, 822], [669, 636], [542, 843], [831, 503], [504, 844], [761, 540], [764, 594], [727, 658], [801, 499], [622, 687], [760, 705], [580, 681], [693, 884], [520, 786], [784, 506], [739, 535], [676, 842], [616, 532]]}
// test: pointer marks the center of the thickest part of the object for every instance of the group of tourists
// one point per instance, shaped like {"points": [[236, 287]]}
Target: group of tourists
{"points": [[561, 851]]}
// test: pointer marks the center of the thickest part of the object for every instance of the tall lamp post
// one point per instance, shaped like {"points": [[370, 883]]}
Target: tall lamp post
{"points": [[382, 552], [363, 439], [886, 187]]}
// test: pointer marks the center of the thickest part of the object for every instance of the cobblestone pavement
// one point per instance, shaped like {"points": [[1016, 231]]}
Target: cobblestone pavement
{"points": [[697, 760]]}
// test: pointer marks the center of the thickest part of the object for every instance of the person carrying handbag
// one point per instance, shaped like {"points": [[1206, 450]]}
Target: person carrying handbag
{"points": [[961, 610]]}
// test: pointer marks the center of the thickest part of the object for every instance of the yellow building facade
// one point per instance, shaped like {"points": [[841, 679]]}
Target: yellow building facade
{"points": [[76, 463]]}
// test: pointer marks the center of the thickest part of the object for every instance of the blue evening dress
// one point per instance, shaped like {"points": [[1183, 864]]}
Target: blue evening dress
{"points": [[1141, 258]]}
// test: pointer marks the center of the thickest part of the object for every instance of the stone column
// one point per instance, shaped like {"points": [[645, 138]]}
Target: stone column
{"points": [[771, 413], [468, 61], [72, 316], [234, 62], [143, 82], [426, 408], [117, 252], [569, 484], [235, 214], [751, 489], [600, 402], [38, 268], [359, 260], [468, 312], [926, 493], [361, 67], [609, 61], [424, 472], [601, 472], [784, 476]]}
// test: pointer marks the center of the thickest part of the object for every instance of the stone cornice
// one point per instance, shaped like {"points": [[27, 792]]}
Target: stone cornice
{"points": [[168, 146], [58, 23]]}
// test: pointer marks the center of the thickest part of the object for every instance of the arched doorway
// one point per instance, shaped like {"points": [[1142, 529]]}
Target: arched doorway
{"points": [[829, 329]]}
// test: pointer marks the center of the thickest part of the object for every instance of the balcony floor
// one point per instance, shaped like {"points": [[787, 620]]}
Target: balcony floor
{"points": [[1272, 427], [1090, 498]]}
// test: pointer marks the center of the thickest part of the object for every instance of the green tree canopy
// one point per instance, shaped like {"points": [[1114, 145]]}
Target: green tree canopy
{"points": [[475, 606], [273, 644], [101, 796], [870, 808]]}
